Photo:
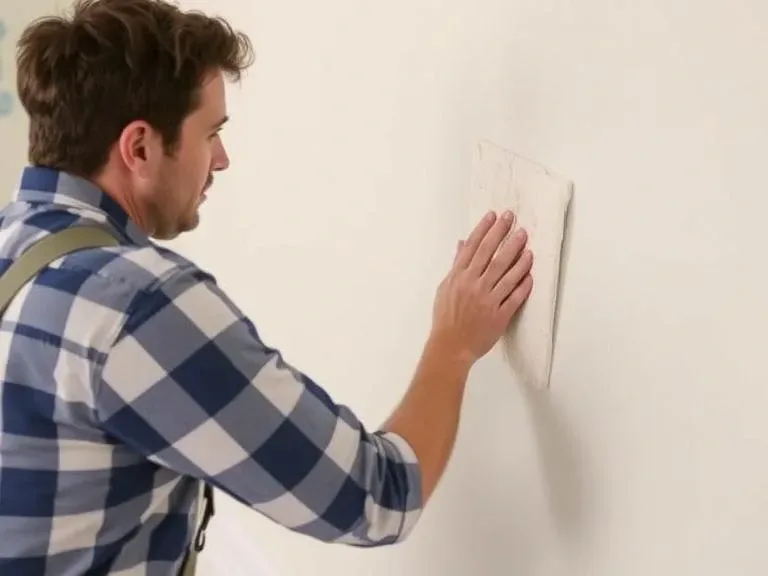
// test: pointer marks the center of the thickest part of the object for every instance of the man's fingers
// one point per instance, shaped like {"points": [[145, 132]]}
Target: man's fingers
{"points": [[514, 276], [467, 252], [519, 295], [506, 256], [490, 243]]}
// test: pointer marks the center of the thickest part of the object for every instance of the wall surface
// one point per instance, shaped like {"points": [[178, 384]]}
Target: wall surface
{"points": [[13, 122], [14, 16], [351, 146]]}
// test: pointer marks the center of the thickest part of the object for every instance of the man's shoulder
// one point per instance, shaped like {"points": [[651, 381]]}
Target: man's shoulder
{"points": [[144, 268], [111, 277]]}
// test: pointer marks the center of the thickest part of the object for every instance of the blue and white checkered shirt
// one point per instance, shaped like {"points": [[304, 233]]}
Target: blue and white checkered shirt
{"points": [[127, 375]]}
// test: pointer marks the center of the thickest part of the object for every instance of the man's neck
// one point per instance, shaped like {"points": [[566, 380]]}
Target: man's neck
{"points": [[115, 188]]}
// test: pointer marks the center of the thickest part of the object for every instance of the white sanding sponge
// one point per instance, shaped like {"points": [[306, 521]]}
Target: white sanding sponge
{"points": [[502, 180]]}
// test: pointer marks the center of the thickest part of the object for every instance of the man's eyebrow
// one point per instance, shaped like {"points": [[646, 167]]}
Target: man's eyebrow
{"points": [[220, 123]]}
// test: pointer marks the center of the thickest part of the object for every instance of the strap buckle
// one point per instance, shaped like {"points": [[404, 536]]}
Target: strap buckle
{"points": [[208, 512]]}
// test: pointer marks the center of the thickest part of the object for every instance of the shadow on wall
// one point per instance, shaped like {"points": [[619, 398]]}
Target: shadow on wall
{"points": [[517, 483], [565, 258], [558, 449], [561, 463]]}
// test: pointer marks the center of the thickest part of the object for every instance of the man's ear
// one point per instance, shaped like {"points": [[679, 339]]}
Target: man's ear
{"points": [[137, 147]]}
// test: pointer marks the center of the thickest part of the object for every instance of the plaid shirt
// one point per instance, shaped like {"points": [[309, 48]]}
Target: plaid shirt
{"points": [[127, 375]]}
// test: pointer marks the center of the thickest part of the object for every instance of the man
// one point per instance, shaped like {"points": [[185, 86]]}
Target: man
{"points": [[128, 376]]}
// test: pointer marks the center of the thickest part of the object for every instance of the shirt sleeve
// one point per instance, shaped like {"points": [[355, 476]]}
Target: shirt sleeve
{"points": [[190, 384]]}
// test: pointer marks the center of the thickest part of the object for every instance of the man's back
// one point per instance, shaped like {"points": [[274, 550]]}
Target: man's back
{"points": [[65, 483]]}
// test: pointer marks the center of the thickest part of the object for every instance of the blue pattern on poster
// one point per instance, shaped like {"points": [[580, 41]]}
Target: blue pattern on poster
{"points": [[6, 97]]}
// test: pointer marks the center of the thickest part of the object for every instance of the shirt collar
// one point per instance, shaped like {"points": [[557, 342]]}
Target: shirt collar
{"points": [[47, 185]]}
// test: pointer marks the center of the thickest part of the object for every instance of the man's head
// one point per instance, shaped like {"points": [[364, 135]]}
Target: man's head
{"points": [[130, 95]]}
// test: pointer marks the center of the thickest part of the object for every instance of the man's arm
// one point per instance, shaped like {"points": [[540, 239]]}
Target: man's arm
{"points": [[428, 415], [190, 384]]}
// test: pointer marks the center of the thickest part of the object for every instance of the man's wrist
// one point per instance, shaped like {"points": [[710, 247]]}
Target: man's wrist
{"points": [[444, 352]]}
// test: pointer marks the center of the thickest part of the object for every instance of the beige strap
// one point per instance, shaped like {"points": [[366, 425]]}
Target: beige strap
{"points": [[46, 251]]}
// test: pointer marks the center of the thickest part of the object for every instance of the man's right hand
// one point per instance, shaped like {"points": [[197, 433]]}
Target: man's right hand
{"points": [[488, 283]]}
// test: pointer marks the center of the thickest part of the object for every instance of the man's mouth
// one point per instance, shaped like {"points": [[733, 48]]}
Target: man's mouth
{"points": [[203, 195]]}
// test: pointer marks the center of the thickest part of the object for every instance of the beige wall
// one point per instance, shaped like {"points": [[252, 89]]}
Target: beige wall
{"points": [[647, 456], [13, 123], [14, 16], [351, 146]]}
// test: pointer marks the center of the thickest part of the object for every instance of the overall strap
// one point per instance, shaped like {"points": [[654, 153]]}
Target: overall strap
{"points": [[46, 251]]}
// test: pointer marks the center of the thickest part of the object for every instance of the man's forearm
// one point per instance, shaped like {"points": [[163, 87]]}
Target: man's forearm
{"points": [[428, 416]]}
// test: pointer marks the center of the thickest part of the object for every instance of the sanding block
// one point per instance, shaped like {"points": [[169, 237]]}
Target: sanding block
{"points": [[502, 180]]}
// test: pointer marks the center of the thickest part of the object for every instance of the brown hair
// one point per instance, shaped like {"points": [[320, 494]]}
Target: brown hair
{"points": [[82, 79]]}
